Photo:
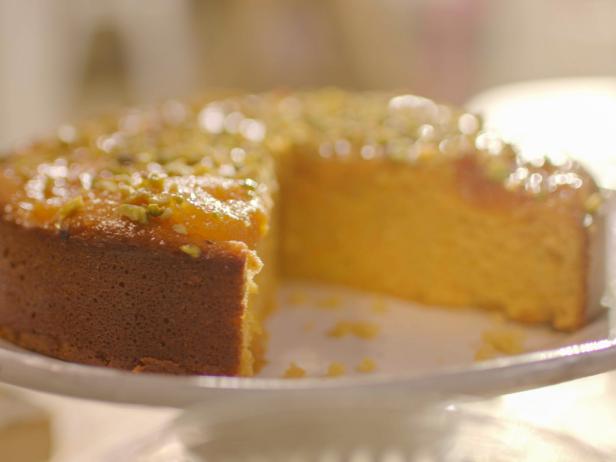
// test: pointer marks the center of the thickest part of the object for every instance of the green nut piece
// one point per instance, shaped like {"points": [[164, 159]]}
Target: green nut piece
{"points": [[71, 206], [191, 249], [135, 213]]}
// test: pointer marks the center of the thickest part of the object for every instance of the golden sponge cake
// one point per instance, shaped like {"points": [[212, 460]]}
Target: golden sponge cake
{"points": [[135, 241]]}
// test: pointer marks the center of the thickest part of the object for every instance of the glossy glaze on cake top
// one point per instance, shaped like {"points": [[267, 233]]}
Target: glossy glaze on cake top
{"points": [[180, 173]]}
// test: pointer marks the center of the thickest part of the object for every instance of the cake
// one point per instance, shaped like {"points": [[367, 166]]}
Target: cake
{"points": [[153, 240]]}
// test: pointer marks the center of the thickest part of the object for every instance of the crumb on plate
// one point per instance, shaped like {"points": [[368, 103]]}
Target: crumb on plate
{"points": [[361, 329], [366, 366], [335, 369], [294, 372], [500, 341]]}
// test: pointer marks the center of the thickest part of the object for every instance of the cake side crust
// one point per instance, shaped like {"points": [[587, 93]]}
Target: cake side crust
{"points": [[123, 305]]}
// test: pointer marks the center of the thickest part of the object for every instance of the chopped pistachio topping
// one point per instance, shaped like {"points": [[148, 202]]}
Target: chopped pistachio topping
{"points": [[71, 206], [155, 210], [593, 202], [166, 214], [191, 249], [135, 159], [155, 183], [107, 185], [134, 213], [126, 190], [180, 229], [178, 167], [139, 198], [160, 199], [249, 184], [497, 170]]}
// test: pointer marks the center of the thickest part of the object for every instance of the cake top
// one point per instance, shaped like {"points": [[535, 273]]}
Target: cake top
{"points": [[204, 169]]}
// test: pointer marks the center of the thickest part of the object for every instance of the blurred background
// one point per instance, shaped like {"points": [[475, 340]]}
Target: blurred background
{"points": [[62, 59]]}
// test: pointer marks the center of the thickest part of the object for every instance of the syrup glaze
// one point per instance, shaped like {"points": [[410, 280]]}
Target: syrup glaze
{"points": [[180, 173]]}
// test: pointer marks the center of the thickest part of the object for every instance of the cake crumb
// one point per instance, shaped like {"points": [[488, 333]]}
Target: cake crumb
{"points": [[330, 303], [297, 297], [500, 341], [335, 369], [365, 330], [362, 329], [498, 318], [484, 352], [294, 372], [380, 306], [366, 366], [341, 329]]}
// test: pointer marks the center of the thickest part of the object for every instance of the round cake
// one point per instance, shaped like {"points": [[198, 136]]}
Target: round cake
{"points": [[153, 240]]}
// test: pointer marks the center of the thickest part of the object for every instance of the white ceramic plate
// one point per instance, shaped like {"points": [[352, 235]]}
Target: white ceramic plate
{"points": [[417, 348]]}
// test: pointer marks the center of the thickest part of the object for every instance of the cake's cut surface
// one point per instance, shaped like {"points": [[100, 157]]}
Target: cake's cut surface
{"points": [[134, 241], [440, 233]]}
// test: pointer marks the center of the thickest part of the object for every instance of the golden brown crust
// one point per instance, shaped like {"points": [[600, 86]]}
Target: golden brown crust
{"points": [[122, 305]]}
